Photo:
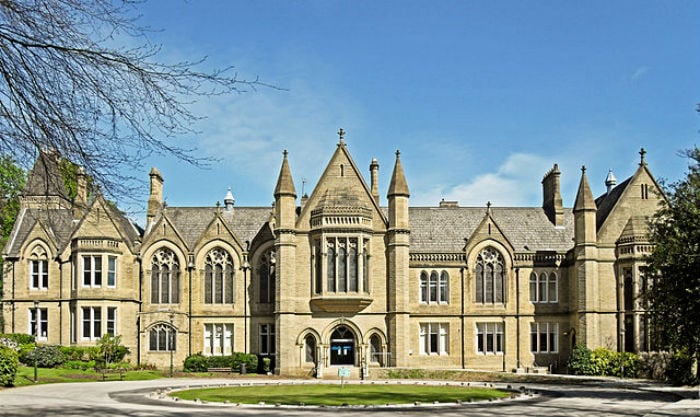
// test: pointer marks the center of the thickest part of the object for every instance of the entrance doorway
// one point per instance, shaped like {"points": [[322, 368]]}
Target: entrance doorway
{"points": [[342, 347]]}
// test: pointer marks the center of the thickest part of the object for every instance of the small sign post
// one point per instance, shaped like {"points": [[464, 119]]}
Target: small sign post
{"points": [[343, 373]]}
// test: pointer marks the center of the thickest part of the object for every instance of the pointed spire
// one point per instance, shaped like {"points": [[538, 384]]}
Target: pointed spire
{"points": [[610, 181], [398, 185], [584, 196], [285, 184], [229, 200]]}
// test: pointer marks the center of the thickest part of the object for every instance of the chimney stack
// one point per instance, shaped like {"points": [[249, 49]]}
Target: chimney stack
{"points": [[551, 196], [374, 176]]}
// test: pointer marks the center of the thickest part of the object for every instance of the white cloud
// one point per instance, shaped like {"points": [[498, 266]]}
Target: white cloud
{"points": [[516, 182], [638, 73]]}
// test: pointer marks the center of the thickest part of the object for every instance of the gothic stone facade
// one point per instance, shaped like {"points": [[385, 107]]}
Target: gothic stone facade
{"points": [[335, 279]]}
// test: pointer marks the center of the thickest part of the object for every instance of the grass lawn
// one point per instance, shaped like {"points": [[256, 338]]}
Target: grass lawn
{"points": [[25, 375], [337, 395]]}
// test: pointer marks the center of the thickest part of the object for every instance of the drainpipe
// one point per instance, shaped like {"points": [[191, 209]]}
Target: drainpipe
{"points": [[14, 281], [461, 270], [138, 315], [517, 317]]}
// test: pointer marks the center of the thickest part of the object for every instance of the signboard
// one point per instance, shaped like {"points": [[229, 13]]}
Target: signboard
{"points": [[344, 372]]}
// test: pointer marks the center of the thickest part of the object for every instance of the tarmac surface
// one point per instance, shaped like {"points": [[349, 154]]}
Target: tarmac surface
{"points": [[149, 399]]}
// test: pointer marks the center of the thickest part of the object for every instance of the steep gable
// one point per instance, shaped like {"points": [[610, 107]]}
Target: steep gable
{"points": [[341, 185], [102, 221], [488, 229]]}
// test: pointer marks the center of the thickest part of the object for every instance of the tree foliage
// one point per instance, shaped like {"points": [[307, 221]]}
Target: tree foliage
{"points": [[674, 264], [67, 84]]}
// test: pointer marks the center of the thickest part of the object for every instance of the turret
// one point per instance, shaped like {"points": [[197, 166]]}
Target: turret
{"points": [[551, 196], [610, 181], [398, 195], [585, 213], [285, 197], [155, 198]]}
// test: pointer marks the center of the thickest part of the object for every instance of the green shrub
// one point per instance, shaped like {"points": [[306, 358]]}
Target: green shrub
{"points": [[46, 356], [110, 348], [196, 363], [8, 366], [78, 365], [266, 362], [679, 369], [603, 362], [18, 338], [581, 361], [76, 353]]}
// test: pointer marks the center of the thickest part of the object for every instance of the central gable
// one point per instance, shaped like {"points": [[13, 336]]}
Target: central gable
{"points": [[343, 191]]}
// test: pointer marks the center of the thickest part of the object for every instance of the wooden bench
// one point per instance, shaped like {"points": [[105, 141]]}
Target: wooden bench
{"points": [[106, 372], [224, 370]]}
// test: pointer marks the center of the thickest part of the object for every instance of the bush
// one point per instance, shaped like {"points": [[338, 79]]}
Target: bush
{"points": [[679, 369], [46, 356], [76, 353], [603, 362], [196, 363], [581, 361], [8, 366], [78, 365], [200, 363], [18, 338]]}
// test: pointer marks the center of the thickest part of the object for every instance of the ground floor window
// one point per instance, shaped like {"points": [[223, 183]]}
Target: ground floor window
{"points": [[162, 338], [489, 337], [433, 339], [92, 322], [544, 337], [267, 339], [39, 321], [218, 339]]}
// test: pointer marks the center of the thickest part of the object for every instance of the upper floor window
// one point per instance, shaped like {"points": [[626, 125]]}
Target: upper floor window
{"points": [[39, 322], [39, 269], [92, 267], [490, 281], [218, 277], [543, 287], [267, 273], [162, 338], [346, 265], [165, 277], [434, 288]]}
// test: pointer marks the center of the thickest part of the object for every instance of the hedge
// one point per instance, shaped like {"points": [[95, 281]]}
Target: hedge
{"points": [[200, 363], [8, 365]]}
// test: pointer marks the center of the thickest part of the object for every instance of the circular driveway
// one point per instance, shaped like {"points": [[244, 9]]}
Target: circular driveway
{"points": [[137, 399]]}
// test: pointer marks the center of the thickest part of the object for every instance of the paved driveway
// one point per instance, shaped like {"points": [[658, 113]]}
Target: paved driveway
{"points": [[132, 399]]}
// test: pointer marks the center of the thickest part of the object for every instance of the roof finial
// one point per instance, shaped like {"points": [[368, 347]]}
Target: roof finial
{"points": [[284, 153], [583, 169], [642, 153], [398, 154], [341, 135]]}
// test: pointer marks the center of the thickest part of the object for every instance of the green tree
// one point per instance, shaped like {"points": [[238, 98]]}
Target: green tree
{"points": [[80, 77], [674, 265], [12, 179]]}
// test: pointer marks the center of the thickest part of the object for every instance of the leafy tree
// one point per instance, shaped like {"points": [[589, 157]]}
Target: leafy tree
{"points": [[12, 179], [111, 349], [66, 84], [674, 265]]}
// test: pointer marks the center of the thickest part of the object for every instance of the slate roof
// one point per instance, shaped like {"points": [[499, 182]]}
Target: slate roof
{"points": [[191, 222], [58, 222], [45, 177], [444, 229], [607, 201]]}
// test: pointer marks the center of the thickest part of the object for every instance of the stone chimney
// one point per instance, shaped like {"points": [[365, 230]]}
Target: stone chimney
{"points": [[374, 176], [81, 193], [229, 201], [155, 199], [551, 196]]}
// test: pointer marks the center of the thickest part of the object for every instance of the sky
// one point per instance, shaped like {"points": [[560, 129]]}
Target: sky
{"points": [[480, 97]]}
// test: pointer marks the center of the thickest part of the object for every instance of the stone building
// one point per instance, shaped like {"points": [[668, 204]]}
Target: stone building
{"points": [[334, 279]]}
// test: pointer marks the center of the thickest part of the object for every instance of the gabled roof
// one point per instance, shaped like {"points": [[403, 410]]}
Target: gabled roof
{"points": [[58, 223], [45, 177], [192, 222], [444, 230], [607, 201]]}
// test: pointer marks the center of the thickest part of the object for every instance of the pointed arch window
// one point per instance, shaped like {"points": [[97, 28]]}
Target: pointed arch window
{"points": [[39, 268], [267, 277], [165, 277], [434, 287], [490, 285], [162, 338], [218, 277]]}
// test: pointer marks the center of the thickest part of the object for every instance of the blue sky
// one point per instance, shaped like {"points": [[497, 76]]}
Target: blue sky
{"points": [[482, 98]]}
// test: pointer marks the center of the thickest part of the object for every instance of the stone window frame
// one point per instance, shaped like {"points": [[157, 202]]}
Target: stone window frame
{"points": [[549, 281], [439, 282], [226, 276], [221, 332], [490, 338], [544, 337], [39, 262], [433, 339]]}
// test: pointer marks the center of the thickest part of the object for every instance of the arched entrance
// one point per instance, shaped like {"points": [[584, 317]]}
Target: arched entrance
{"points": [[342, 346]]}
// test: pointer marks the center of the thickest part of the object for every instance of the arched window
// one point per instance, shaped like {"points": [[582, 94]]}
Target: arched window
{"points": [[533, 287], [376, 355], [165, 277], [310, 348], [444, 287], [218, 277], [490, 286], [423, 287], [553, 289], [39, 268], [544, 287], [267, 277], [162, 337]]}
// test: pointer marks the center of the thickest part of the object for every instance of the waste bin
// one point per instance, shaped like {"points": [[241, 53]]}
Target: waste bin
{"points": [[243, 370]]}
